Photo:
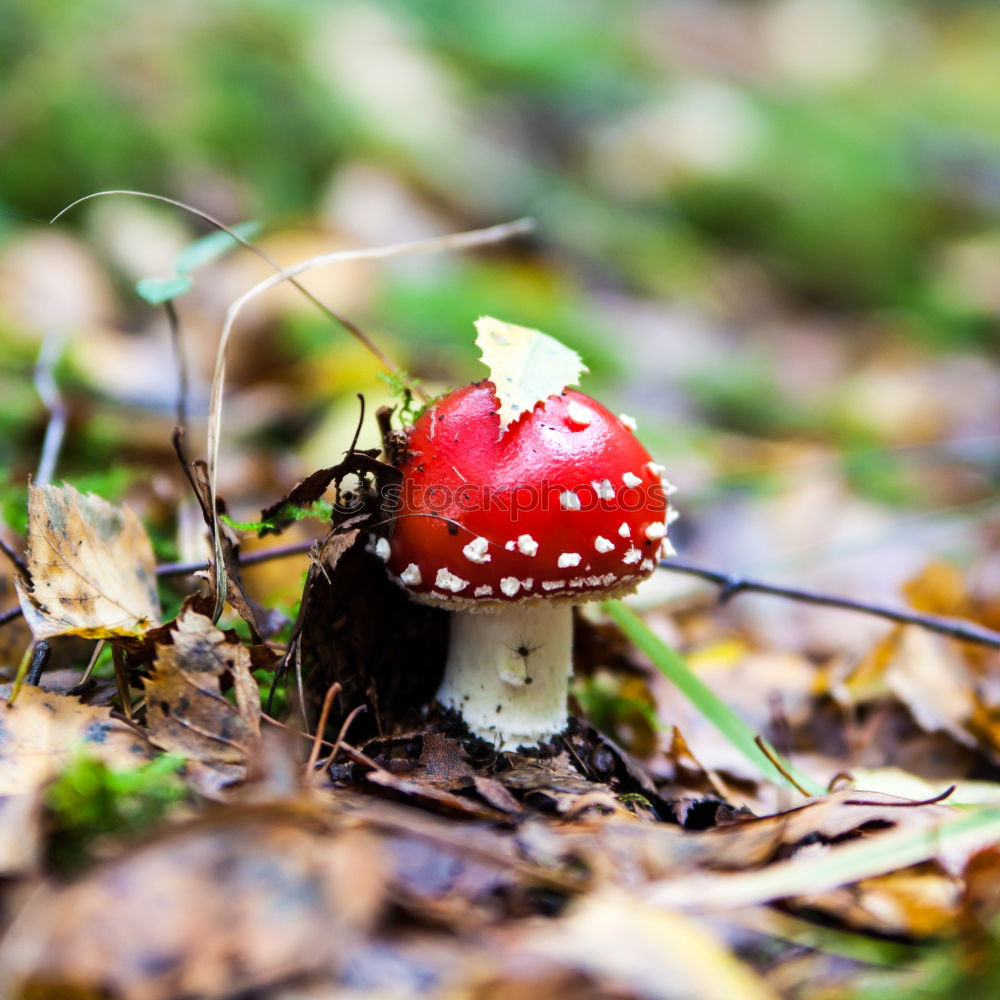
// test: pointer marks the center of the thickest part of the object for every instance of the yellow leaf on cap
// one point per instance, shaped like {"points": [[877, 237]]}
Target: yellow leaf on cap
{"points": [[526, 366]]}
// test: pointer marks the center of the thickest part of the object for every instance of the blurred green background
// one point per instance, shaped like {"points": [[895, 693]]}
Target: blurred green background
{"points": [[772, 229]]}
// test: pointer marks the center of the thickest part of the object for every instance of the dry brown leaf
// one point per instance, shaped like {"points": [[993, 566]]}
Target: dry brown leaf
{"points": [[938, 589], [218, 908], [92, 568], [42, 731], [187, 712], [426, 793], [931, 679], [927, 674], [981, 902], [918, 902]]}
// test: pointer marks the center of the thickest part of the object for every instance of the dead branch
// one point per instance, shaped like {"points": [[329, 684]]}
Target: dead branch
{"points": [[732, 584]]}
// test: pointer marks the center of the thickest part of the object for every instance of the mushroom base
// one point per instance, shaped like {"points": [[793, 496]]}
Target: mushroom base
{"points": [[508, 672]]}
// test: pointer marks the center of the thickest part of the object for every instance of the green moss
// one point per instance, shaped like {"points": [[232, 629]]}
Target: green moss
{"points": [[90, 801]]}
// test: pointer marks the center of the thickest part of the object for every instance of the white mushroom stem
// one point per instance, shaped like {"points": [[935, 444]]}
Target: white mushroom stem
{"points": [[508, 671]]}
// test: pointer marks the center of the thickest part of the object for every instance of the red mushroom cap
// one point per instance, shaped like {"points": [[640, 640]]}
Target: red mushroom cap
{"points": [[565, 503]]}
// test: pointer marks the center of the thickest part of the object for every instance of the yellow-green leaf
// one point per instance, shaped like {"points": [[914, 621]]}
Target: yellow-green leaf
{"points": [[526, 366]]}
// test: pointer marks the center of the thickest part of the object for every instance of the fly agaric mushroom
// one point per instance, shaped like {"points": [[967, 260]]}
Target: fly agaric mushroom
{"points": [[508, 530]]}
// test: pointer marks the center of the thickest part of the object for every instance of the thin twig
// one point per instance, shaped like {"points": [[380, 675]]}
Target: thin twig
{"points": [[39, 661], [270, 720], [82, 683], [933, 800], [10, 614], [778, 766], [331, 692], [121, 680], [359, 757], [19, 564], [732, 584], [48, 392], [345, 727], [251, 558]]}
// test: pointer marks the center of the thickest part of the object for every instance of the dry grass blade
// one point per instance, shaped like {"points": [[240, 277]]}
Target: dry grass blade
{"points": [[353, 328]]}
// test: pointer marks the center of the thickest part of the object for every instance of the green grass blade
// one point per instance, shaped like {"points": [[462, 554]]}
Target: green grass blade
{"points": [[673, 666]]}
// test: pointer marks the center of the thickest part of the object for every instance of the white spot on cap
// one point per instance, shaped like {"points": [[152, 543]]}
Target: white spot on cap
{"points": [[668, 549], [382, 549], [594, 582], [632, 556], [672, 515], [529, 583], [578, 413], [552, 584], [568, 559], [484, 591], [411, 576], [668, 487], [604, 489], [624, 530], [656, 529], [446, 580], [476, 552], [603, 544], [568, 500], [647, 565], [628, 421], [526, 545], [656, 469], [510, 585], [630, 479]]}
